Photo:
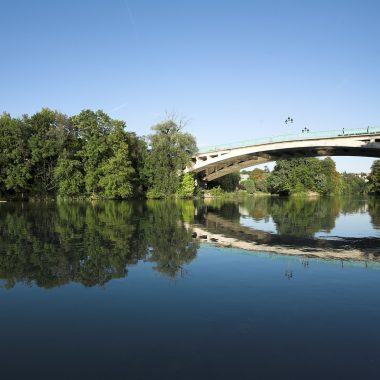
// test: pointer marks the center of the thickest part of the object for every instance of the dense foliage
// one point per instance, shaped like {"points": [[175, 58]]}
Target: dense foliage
{"points": [[90, 155], [249, 185], [260, 178], [352, 183], [187, 186], [305, 175], [170, 151], [374, 177], [227, 183]]}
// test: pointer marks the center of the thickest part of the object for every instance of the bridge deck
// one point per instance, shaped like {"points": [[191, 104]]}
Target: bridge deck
{"points": [[292, 137]]}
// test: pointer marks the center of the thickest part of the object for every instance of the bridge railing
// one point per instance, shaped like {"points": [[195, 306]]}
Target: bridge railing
{"points": [[292, 137]]}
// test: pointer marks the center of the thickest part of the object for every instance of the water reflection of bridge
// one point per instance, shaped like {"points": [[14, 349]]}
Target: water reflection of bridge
{"points": [[222, 232]]}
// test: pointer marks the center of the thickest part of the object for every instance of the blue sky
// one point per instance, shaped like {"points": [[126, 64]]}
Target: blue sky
{"points": [[234, 69]]}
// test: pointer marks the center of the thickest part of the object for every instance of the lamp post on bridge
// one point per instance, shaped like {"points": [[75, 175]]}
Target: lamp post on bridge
{"points": [[289, 120]]}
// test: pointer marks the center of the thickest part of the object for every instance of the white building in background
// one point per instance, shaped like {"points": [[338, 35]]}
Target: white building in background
{"points": [[243, 177]]}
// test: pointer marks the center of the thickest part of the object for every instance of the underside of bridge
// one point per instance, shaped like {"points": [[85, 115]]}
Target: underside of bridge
{"points": [[212, 165]]}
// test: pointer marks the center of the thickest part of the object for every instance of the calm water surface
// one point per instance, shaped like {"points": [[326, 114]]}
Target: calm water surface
{"points": [[126, 290]]}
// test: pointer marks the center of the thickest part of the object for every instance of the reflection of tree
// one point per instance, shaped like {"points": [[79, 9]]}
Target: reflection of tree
{"points": [[374, 211], [259, 207], [225, 208], [304, 217], [352, 205], [295, 216], [54, 244], [297, 219], [164, 238], [65, 242]]}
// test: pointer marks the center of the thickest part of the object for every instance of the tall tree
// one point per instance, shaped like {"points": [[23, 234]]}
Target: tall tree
{"points": [[69, 171], [331, 175], [260, 178], [352, 183], [170, 152], [14, 156], [374, 177], [47, 130], [69, 175], [304, 174], [116, 169], [93, 128], [106, 155]]}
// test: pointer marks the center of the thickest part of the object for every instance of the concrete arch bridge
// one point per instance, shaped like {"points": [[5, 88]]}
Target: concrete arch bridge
{"points": [[213, 162]]}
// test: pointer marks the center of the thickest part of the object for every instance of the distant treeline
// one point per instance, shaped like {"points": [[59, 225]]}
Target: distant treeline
{"points": [[91, 155], [303, 175]]}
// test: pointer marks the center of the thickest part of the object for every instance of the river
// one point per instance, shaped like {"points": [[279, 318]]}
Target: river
{"points": [[262, 288]]}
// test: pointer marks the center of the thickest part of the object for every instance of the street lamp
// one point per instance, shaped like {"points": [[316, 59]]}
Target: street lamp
{"points": [[289, 120]]}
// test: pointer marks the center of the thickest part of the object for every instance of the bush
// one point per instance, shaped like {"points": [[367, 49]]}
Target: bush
{"points": [[249, 185], [216, 192], [154, 194], [187, 186]]}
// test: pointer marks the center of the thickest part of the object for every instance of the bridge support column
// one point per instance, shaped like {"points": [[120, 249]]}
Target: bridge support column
{"points": [[199, 182]]}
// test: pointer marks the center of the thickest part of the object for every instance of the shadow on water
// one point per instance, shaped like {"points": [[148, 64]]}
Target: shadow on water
{"points": [[90, 243]]}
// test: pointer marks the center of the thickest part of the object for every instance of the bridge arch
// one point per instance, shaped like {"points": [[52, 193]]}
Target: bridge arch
{"points": [[212, 163]]}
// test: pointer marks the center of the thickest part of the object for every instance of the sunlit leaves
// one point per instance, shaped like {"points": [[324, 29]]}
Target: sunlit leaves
{"points": [[170, 152]]}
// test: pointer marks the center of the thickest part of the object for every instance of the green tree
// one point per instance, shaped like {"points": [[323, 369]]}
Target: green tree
{"points": [[89, 154], [303, 175], [117, 169], [69, 170], [228, 183], [137, 149], [48, 133], [106, 155], [187, 187], [93, 129], [69, 176], [352, 183], [249, 185], [170, 152], [260, 178], [280, 179], [14, 156], [374, 177], [331, 176]]}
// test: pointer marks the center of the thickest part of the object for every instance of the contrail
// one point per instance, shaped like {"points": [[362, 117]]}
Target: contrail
{"points": [[119, 107], [132, 20]]}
